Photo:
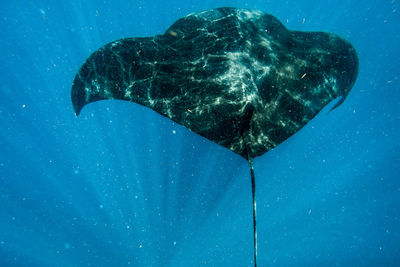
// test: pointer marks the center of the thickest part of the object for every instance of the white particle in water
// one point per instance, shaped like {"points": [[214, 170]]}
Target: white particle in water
{"points": [[173, 132]]}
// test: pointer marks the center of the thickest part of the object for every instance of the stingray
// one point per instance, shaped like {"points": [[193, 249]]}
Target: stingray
{"points": [[237, 77]]}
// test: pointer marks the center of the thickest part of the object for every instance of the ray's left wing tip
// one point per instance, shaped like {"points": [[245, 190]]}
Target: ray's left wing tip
{"points": [[77, 96]]}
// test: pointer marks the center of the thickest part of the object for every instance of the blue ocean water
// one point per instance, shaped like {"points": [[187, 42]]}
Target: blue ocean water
{"points": [[120, 185]]}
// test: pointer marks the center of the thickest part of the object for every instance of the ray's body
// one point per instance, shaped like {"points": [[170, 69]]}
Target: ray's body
{"points": [[237, 77]]}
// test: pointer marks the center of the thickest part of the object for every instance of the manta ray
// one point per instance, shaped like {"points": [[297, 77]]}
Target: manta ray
{"points": [[237, 77]]}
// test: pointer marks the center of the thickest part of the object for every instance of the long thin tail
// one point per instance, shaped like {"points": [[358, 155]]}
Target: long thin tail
{"points": [[245, 129], [253, 190]]}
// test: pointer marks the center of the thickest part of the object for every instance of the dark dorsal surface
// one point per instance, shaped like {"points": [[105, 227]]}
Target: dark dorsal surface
{"points": [[237, 77]]}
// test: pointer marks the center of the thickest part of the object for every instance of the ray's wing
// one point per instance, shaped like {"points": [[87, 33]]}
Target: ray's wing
{"points": [[237, 77]]}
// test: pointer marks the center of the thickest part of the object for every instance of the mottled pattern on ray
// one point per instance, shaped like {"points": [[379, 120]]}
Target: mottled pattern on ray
{"points": [[237, 77]]}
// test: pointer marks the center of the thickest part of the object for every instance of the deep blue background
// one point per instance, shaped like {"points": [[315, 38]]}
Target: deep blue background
{"points": [[122, 185]]}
